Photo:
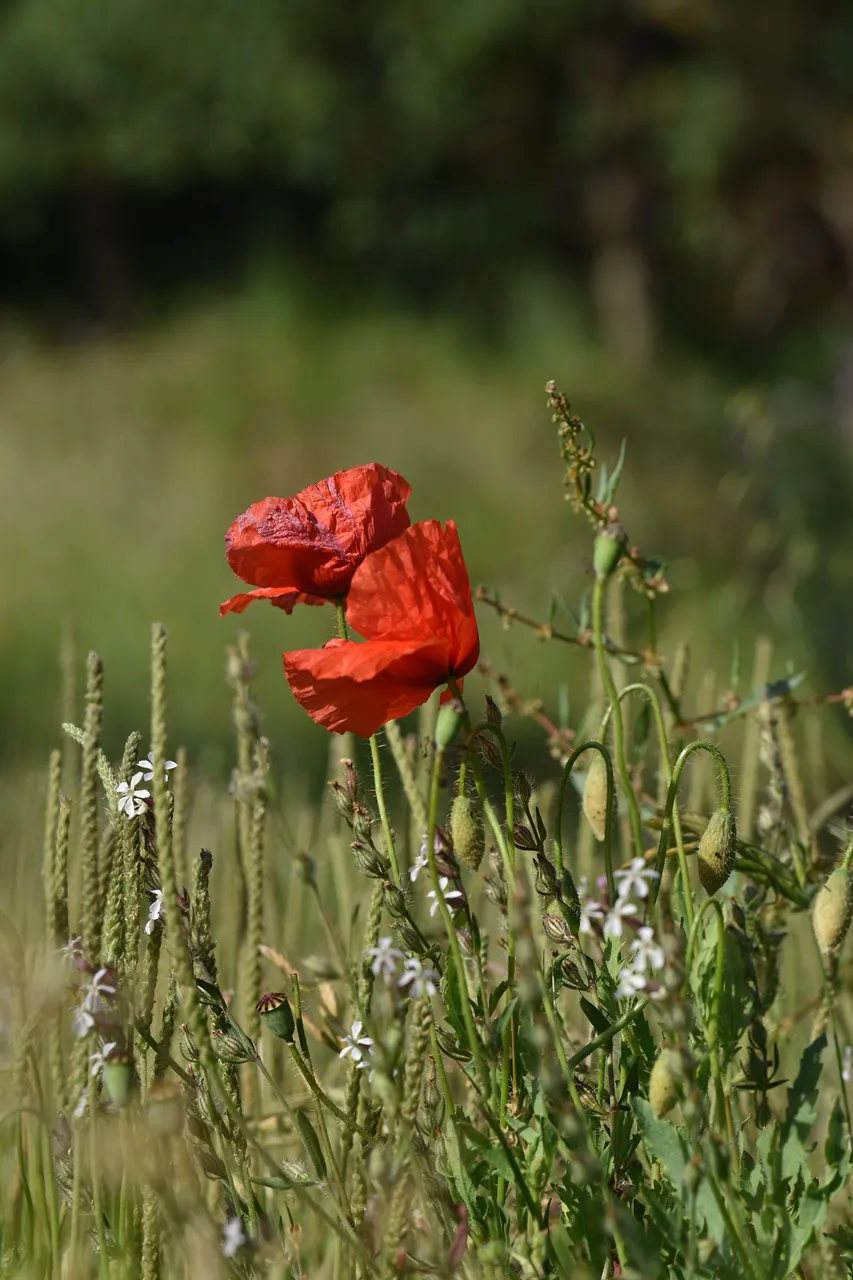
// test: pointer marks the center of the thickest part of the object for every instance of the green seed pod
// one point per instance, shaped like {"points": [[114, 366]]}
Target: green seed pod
{"points": [[595, 796], [232, 1047], [467, 831], [607, 550], [276, 1015], [717, 850], [833, 910], [665, 1082], [118, 1078]]}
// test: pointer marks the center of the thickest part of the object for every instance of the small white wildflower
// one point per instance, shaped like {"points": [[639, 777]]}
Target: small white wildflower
{"points": [[82, 1104], [82, 1022], [233, 1237], [357, 1046], [132, 796], [155, 911], [614, 925], [647, 956], [449, 895], [630, 984], [71, 950], [147, 767], [99, 1058], [421, 981], [419, 864], [97, 988], [385, 958], [847, 1065], [590, 912], [635, 879]]}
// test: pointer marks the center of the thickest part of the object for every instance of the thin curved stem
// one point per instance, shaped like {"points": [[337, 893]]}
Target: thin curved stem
{"points": [[590, 745], [618, 727], [383, 811], [725, 803]]}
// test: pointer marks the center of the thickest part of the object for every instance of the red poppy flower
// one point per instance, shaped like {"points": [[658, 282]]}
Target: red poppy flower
{"points": [[412, 603], [306, 549]]}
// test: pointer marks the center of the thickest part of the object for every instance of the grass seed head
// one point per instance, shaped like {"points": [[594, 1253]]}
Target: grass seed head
{"points": [[595, 797], [467, 831], [717, 849], [833, 910]]}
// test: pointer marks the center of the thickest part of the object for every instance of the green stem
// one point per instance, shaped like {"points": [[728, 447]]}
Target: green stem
{"points": [[725, 803], [383, 811], [618, 727], [432, 823], [607, 1036]]}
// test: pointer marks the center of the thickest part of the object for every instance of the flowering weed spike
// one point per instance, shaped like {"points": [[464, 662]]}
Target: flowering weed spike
{"points": [[665, 1082], [467, 831]]}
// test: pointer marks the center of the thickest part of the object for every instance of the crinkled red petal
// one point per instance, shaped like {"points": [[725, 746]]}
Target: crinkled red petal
{"points": [[282, 597], [350, 687]]}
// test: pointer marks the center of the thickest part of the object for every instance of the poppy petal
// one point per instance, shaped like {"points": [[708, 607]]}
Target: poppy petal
{"points": [[318, 538], [417, 585], [282, 597], [350, 687]]}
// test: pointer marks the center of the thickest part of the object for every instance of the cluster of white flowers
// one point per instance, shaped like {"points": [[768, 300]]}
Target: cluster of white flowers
{"points": [[647, 957], [92, 1002], [132, 797], [420, 979]]}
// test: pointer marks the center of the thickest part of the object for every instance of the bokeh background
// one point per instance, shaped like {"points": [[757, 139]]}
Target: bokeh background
{"points": [[245, 244]]}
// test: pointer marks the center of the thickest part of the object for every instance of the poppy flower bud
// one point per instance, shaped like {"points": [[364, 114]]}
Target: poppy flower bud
{"points": [[594, 802], [665, 1082], [467, 832], [448, 723], [833, 910], [717, 850], [277, 1015], [607, 550], [118, 1077], [522, 787]]}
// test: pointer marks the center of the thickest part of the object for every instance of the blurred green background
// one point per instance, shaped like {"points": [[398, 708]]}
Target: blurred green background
{"points": [[244, 245]]}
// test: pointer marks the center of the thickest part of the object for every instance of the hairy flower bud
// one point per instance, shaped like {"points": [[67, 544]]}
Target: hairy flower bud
{"points": [[595, 796], [665, 1082], [555, 927], [467, 832], [494, 714], [524, 837], [343, 801], [717, 850], [277, 1015], [369, 861], [833, 910], [232, 1047], [607, 550], [189, 1048]]}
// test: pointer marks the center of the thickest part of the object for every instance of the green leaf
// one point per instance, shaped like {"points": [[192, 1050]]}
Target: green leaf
{"points": [[453, 1148], [800, 1115], [613, 482], [596, 1016]]}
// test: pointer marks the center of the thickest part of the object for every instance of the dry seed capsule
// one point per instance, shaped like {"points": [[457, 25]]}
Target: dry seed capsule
{"points": [[665, 1082], [833, 910], [717, 849], [467, 832], [595, 796]]}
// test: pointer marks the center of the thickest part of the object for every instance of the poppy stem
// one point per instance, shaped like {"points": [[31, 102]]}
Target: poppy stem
{"points": [[341, 619], [383, 811]]}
